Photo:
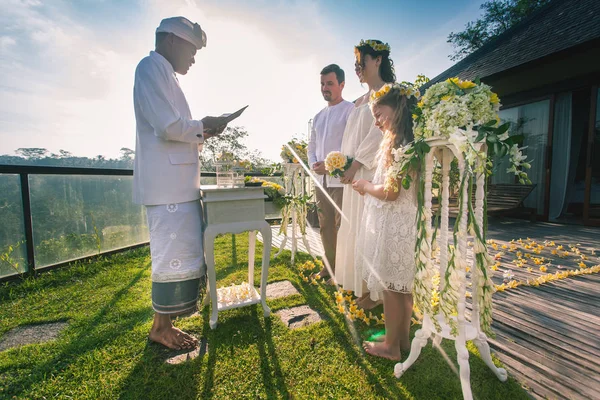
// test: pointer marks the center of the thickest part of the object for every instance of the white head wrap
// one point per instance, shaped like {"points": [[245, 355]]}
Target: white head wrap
{"points": [[185, 29]]}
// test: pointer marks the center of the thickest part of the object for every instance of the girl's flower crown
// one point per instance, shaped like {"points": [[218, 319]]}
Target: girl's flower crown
{"points": [[404, 91], [374, 45]]}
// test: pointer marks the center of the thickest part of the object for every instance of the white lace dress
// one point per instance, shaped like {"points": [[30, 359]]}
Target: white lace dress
{"points": [[385, 247]]}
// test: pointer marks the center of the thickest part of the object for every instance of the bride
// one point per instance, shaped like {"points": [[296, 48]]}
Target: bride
{"points": [[361, 141]]}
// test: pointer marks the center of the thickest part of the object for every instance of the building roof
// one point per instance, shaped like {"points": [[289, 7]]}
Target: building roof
{"points": [[560, 25]]}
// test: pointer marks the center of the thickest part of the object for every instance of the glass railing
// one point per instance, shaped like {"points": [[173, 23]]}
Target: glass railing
{"points": [[75, 216], [52, 216], [13, 254]]}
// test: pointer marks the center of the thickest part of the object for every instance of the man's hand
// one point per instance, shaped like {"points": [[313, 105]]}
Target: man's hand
{"points": [[208, 134], [319, 168], [348, 176], [213, 126]]}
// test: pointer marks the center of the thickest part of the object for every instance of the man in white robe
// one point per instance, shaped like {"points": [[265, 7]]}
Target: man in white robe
{"points": [[167, 175], [326, 136]]}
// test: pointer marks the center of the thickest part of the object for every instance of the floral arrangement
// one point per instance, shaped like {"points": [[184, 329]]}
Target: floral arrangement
{"points": [[336, 163], [300, 148], [296, 199], [374, 45], [464, 113], [236, 294], [301, 203], [274, 191]]}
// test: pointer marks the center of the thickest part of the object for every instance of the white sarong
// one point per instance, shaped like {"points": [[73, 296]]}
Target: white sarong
{"points": [[176, 247]]}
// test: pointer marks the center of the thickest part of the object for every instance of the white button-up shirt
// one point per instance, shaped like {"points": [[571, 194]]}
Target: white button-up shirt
{"points": [[326, 135], [166, 167]]}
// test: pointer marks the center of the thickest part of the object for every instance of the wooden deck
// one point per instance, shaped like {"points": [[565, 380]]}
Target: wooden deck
{"points": [[548, 337]]}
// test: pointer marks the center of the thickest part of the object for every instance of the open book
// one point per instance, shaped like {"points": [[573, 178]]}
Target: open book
{"points": [[232, 116], [228, 119]]}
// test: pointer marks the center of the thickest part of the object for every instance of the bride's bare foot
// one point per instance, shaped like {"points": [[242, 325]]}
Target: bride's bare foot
{"points": [[165, 333], [366, 303], [381, 349], [321, 274]]}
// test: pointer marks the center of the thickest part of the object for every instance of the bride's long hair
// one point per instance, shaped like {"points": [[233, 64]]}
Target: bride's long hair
{"points": [[401, 132], [386, 69]]}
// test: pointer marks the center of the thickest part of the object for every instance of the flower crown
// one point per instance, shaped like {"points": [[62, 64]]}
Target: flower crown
{"points": [[404, 91], [374, 45]]}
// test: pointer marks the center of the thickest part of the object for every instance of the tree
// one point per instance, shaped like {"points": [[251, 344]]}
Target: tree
{"points": [[126, 153], [31, 153], [65, 153], [229, 141], [498, 17], [419, 81]]}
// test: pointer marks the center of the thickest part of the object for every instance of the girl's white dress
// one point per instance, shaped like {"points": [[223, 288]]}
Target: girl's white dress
{"points": [[385, 247]]}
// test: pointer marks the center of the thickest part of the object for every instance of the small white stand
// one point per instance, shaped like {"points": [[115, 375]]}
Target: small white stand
{"points": [[295, 185], [235, 210], [445, 153]]}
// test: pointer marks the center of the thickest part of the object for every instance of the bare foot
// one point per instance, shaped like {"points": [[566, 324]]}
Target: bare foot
{"points": [[381, 349], [366, 303], [381, 338], [322, 274], [173, 338]]}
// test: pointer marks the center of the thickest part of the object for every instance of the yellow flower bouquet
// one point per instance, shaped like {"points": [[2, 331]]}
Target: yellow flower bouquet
{"points": [[336, 163]]}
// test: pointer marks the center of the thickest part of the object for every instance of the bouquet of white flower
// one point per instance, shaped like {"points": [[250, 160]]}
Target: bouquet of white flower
{"points": [[336, 163], [466, 113]]}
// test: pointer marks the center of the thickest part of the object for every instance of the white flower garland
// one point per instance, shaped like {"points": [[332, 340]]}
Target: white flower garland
{"points": [[466, 114]]}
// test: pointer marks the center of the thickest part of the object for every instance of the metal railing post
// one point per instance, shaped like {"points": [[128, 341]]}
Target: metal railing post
{"points": [[26, 200]]}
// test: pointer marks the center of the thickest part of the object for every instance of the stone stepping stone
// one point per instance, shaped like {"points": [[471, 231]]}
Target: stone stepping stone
{"points": [[280, 289], [299, 317], [181, 356], [30, 334]]}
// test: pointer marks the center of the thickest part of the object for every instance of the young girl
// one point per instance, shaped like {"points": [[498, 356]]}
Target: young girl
{"points": [[385, 245]]}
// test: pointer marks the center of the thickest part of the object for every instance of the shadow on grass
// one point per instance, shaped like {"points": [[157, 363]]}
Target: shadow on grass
{"points": [[153, 378], [432, 374], [352, 347], [269, 363], [90, 337], [209, 377], [228, 337]]}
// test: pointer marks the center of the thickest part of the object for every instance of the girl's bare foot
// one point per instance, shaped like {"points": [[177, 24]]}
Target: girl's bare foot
{"points": [[381, 349]]}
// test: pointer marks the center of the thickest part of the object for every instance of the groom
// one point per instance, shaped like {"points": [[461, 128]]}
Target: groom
{"points": [[326, 136], [167, 175]]}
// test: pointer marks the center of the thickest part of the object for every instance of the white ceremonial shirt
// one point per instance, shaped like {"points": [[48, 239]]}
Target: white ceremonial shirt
{"points": [[326, 135], [166, 166]]}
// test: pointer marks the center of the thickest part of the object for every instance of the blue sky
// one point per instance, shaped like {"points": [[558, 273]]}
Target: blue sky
{"points": [[66, 67]]}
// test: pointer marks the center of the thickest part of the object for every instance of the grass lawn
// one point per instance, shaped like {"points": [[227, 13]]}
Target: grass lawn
{"points": [[104, 353]]}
